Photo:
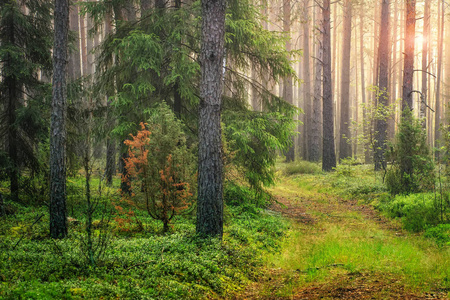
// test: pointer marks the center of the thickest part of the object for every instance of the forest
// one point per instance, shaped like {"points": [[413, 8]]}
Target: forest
{"points": [[224, 149]]}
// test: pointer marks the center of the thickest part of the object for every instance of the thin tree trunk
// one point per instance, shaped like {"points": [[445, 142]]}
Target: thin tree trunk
{"points": [[426, 35], [307, 81], [317, 100], [363, 86], [210, 169], [58, 220], [438, 79], [345, 148], [329, 155], [74, 66], [287, 81], [383, 86]]}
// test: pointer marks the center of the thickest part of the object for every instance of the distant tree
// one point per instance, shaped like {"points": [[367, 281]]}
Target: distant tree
{"points": [[23, 56], [210, 177], [345, 147], [408, 67], [383, 86], [425, 42], [307, 84], [287, 81], [329, 155], [437, 120], [316, 120], [58, 220]]}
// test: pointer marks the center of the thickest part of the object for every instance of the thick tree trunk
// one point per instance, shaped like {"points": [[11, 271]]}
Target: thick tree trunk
{"points": [[58, 220], [329, 155], [408, 69], [383, 86], [345, 147], [317, 100], [210, 168]]}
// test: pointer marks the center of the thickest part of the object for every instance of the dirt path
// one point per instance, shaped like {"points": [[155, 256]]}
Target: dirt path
{"points": [[317, 217]]}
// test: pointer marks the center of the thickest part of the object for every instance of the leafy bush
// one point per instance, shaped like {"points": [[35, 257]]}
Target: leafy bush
{"points": [[412, 169], [301, 167], [439, 233], [244, 197], [417, 211]]}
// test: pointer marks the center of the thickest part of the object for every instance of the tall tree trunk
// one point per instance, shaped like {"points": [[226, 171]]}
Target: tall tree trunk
{"points": [[426, 35], [307, 81], [437, 120], [58, 220], [328, 155], [363, 85], [394, 70], [317, 99], [408, 69], [383, 86], [345, 147], [74, 64], [210, 169], [287, 81]]}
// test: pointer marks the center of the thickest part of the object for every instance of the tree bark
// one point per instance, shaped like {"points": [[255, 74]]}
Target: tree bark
{"points": [[363, 86], [58, 220], [383, 86], [307, 82], [74, 66], [437, 120], [328, 152], [345, 148], [426, 35], [287, 81], [408, 69], [210, 166], [317, 100]]}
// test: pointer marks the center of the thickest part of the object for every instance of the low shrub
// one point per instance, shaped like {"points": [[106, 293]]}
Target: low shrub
{"points": [[439, 233], [417, 211], [301, 167]]}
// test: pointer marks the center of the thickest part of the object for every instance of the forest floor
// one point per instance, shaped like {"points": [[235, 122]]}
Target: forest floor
{"points": [[341, 249]]}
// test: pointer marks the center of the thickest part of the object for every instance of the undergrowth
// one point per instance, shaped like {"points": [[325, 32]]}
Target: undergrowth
{"points": [[140, 262]]}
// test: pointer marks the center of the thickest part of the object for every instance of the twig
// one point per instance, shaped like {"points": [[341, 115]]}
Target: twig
{"points": [[139, 264], [318, 268], [23, 235]]}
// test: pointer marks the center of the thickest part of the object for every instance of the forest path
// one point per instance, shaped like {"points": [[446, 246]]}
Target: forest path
{"points": [[338, 249]]}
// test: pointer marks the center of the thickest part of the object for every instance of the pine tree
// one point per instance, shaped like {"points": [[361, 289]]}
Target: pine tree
{"points": [[23, 57], [210, 177], [58, 220]]}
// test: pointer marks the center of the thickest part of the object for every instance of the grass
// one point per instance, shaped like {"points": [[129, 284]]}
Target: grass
{"points": [[343, 242]]}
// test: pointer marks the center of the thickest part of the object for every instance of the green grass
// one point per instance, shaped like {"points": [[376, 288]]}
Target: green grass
{"points": [[343, 241]]}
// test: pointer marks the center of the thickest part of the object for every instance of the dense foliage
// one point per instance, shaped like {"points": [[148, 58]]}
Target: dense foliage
{"points": [[412, 167]]}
